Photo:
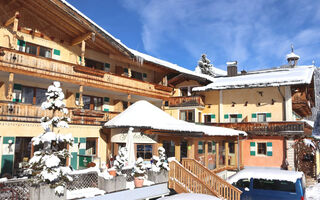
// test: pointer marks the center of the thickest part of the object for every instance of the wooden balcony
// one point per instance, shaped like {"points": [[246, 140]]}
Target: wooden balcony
{"points": [[190, 101], [10, 111], [300, 103], [27, 64], [269, 128]]}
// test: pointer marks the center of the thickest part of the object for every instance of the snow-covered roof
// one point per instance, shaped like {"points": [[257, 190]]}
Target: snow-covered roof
{"points": [[309, 122], [172, 66], [266, 173], [263, 78], [140, 55], [143, 114]]}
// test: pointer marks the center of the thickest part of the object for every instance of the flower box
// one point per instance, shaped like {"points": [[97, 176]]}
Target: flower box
{"points": [[45, 192], [158, 177], [116, 183]]}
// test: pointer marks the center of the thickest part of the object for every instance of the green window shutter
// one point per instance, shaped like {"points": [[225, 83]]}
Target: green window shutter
{"points": [[17, 87], [269, 148], [144, 75], [126, 70], [106, 66], [106, 104], [268, 115], [200, 147], [80, 59], [7, 139], [82, 140], [213, 147], [252, 148], [21, 43], [226, 116], [213, 116], [75, 140], [56, 52], [254, 115], [106, 99], [239, 116]]}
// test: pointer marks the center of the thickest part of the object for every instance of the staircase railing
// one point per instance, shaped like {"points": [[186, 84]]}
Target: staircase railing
{"points": [[224, 189], [182, 180]]}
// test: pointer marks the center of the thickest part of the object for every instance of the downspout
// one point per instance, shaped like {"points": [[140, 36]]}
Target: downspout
{"points": [[283, 105]]}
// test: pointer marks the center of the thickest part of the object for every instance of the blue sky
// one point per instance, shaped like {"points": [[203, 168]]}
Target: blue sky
{"points": [[256, 33]]}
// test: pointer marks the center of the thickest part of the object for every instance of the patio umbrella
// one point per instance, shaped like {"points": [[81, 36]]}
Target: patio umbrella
{"points": [[130, 147]]}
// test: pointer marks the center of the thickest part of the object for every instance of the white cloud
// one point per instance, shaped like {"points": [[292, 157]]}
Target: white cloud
{"points": [[252, 32]]}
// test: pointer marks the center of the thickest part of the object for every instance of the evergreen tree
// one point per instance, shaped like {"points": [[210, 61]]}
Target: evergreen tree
{"points": [[48, 163], [160, 162]]}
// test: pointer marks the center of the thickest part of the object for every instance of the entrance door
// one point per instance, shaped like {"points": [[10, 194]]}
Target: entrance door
{"points": [[22, 153], [183, 149]]}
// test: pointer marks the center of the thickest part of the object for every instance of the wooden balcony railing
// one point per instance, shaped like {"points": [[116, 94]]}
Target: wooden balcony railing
{"points": [[300, 103], [183, 181], [10, 111], [261, 128], [186, 101], [28, 64], [222, 188]]}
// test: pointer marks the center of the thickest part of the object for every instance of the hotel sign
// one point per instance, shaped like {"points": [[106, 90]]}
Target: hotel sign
{"points": [[120, 136]]}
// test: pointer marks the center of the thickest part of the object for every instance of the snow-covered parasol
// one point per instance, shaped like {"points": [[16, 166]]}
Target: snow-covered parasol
{"points": [[130, 147]]}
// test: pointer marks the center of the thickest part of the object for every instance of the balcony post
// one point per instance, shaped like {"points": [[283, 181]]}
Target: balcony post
{"points": [[10, 86], [80, 96], [217, 155], [165, 81], [227, 154], [83, 49], [129, 98], [206, 153]]}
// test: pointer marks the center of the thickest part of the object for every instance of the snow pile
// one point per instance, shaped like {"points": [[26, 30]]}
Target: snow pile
{"points": [[47, 166], [85, 171], [189, 196], [2, 180], [308, 143], [143, 114], [160, 162], [266, 78], [313, 192], [266, 173], [84, 193], [139, 169], [121, 160]]}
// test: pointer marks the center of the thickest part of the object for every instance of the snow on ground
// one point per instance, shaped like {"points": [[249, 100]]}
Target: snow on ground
{"points": [[313, 192], [189, 196], [84, 193]]}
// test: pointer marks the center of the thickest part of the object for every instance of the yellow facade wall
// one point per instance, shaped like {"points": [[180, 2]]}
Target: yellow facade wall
{"points": [[211, 102], [253, 96]]}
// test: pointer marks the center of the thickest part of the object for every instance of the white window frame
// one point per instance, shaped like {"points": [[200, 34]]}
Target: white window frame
{"points": [[215, 119], [257, 149]]}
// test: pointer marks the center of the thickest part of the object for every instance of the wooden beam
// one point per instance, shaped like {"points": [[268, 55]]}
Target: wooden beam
{"points": [[83, 50], [81, 38], [12, 19], [10, 86], [80, 96], [206, 154], [227, 154], [217, 155]]}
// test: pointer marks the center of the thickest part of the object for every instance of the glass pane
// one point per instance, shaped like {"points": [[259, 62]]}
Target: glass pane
{"points": [[90, 146], [207, 119], [97, 103], [27, 95], [86, 102], [191, 116], [262, 117], [136, 75], [183, 115], [40, 96], [222, 153], [262, 148], [45, 52], [31, 49], [184, 91], [169, 147], [233, 118]]}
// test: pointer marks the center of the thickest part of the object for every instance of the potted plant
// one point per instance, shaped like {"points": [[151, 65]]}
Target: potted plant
{"points": [[159, 167], [121, 160], [139, 172]]}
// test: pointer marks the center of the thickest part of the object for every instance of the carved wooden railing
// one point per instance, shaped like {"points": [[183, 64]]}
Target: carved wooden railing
{"points": [[183, 181], [186, 101], [223, 189], [11, 111], [28, 64]]}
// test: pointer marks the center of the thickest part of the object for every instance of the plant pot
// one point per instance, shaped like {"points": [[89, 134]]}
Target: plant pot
{"points": [[117, 183], [158, 177], [138, 182], [113, 172]]}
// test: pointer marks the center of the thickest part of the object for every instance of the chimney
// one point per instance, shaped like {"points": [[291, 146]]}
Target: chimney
{"points": [[232, 68]]}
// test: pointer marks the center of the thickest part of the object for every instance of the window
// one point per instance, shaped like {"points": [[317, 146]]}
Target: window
{"points": [[91, 146], [262, 117], [231, 147], [169, 146], [233, 118], [92, 103], [144, 151], [37, 50], [262, 148], [94, 64], [278, 185], [207, 118], [136, 75], [40, 96], [184, 91], [187, 115], [209, 147], [242, 183], [29, 95]]}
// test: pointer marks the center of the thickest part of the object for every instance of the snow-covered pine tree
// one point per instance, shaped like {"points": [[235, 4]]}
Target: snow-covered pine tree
{"points": [[48, 163], [121, 160], [204, 66], [160, 162], [139, 169]]}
